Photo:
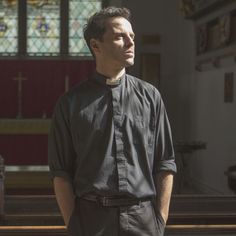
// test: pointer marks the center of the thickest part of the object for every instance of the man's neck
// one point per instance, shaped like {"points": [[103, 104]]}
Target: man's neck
{"points": [[111, 73]]}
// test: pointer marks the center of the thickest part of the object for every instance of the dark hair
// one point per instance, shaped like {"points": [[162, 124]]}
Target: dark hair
{"points": [[96, 24]]}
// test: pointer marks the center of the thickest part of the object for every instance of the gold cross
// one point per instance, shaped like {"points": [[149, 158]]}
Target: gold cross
{"points": [[19, 79]]}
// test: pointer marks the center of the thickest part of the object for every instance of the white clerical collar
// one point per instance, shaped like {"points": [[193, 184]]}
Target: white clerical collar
{"points": [[108, 81], [113, 81]]}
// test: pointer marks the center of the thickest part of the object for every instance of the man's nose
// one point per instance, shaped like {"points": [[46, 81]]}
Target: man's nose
{"points": [[129, 41]]}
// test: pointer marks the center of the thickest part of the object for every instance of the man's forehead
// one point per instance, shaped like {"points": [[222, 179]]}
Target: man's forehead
{"points": [[118, 23]]}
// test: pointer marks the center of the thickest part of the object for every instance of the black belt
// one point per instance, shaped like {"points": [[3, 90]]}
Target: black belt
{"points": [[114, 201]]}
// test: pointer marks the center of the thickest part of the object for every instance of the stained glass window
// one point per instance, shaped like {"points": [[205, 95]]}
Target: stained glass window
{"points": [[8, 27], [43, 27], [79, 11]]}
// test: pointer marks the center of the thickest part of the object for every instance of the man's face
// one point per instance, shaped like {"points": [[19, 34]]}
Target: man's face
{"points": [[117, 46]]}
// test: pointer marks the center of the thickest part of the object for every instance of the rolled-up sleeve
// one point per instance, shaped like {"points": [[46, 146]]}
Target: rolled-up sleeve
{"points": [[61, 153], [164, 150]]}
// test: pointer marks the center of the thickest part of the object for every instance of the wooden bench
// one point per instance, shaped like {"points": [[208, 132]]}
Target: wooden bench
{"points": [[203, 210], [170, 230], [189, 215], [32, 230], [199, 210]]}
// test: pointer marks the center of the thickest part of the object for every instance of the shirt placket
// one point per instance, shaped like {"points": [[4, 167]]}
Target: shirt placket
{"points": [[117, 120]]}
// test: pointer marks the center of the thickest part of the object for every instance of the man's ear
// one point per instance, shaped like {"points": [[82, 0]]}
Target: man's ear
{"points": [[94, 44]]}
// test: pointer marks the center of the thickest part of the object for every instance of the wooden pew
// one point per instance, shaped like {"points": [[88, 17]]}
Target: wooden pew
{"points": [[31, 210], [200, 230], [170, 230], [203, 210], [32, 230], [189, 215], [28, 180], [199, 210]]}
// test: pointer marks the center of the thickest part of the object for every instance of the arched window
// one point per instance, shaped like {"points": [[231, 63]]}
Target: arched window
{"points": [[43, 28], [78, 14], [8, 28]]}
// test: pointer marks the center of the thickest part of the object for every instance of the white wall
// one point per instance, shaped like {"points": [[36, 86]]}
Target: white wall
{"points": [[194, 100], [214, 122]]}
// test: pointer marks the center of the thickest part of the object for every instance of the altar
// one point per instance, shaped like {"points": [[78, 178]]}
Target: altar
{"points": [[24, 141], [24, 126], [23, 144], [29, 90]]}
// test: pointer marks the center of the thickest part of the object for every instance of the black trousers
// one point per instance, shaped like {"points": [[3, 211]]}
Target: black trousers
{"points": [[90, 219]]}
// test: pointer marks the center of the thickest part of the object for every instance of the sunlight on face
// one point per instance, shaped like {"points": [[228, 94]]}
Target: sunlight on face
{"points": [[117, 47]]}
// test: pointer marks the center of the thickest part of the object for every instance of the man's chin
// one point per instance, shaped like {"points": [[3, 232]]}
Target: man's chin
{"points": [[129, 62]]}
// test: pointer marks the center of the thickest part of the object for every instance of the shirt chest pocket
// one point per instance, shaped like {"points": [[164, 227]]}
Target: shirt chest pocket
{"points": [[142, 130]]}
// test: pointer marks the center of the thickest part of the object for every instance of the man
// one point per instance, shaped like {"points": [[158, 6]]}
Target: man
{"points": [[110, 148]]}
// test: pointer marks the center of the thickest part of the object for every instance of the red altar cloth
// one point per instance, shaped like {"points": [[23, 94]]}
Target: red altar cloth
{"points": [[45, 83], [24, 149]]}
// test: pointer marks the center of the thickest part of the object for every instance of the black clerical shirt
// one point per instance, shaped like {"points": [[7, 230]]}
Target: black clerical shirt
{"points": [[111, 139]]}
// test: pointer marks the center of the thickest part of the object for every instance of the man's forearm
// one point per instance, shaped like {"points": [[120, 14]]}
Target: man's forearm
{"points": [[164, 184], [65, 197]]}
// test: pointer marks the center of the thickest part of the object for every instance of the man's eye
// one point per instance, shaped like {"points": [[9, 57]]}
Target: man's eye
{"points": [[119, 37], [132, 37]]}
